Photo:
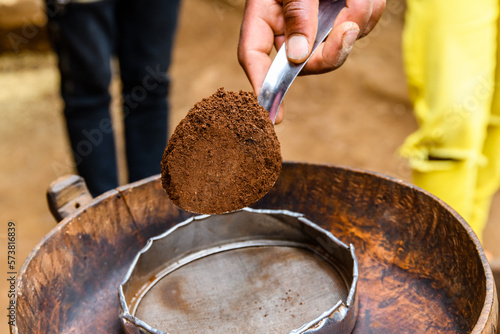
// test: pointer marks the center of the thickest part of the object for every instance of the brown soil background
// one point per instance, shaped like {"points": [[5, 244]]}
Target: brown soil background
{"points": [[357, 116]]}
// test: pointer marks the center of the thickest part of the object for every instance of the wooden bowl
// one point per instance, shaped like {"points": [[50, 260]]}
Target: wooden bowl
{"points": [[421, 268]]}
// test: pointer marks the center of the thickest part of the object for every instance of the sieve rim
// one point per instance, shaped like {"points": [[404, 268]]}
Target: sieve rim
{"points": [[341, 316]]}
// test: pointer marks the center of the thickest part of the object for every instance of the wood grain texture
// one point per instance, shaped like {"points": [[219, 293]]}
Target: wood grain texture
{"points": [[421, 268]]}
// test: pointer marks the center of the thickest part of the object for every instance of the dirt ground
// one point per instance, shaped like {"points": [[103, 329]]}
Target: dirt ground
{"points": [[357, 116]]}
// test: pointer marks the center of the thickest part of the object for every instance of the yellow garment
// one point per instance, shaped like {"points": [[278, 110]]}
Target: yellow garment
{"points": [[450, 56]]}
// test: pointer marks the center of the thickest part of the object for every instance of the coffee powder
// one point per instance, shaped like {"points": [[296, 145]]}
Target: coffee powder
{"points": [[223, 156]]}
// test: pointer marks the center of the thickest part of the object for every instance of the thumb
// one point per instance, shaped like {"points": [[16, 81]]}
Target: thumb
{"points": [[301, 25]]}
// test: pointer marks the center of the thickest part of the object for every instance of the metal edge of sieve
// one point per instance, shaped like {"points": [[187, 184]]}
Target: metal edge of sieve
{"points": [[340, 318]]}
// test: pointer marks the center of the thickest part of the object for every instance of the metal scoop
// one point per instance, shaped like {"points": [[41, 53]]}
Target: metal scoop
{"points": [[282, 72]]}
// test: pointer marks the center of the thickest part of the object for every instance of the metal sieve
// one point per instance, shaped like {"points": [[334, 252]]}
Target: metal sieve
{"points": [[249, 271]]}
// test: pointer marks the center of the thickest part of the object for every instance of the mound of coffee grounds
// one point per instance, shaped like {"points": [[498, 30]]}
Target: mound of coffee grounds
{"points": [[223, 156]]}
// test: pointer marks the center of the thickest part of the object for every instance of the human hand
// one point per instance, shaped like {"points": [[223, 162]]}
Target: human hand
{"points": [[269, 23]]}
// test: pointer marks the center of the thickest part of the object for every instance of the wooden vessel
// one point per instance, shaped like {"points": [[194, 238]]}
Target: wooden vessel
{"points": [[421, 268]]}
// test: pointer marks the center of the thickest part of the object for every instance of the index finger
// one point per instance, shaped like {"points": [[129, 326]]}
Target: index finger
{"points": [[259, 20]]}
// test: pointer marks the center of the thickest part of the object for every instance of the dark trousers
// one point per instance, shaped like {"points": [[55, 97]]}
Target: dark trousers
{"points": [[85, 37]]}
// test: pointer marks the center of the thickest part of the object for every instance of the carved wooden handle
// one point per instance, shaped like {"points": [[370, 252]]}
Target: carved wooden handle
{"points": [[66, 195]]}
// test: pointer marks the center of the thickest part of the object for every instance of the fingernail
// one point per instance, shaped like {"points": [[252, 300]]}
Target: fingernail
{"points": [[348, 40], [297, 48]]}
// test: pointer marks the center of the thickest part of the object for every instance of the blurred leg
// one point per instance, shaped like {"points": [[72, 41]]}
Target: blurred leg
{"points": [[450, 61], [146, 36], [489, 174], [83, 39]]}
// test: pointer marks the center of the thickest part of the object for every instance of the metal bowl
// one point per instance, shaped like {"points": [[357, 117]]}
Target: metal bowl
{"points": [[250, 271]]}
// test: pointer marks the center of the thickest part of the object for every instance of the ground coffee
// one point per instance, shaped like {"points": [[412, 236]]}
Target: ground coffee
{"points": [[224, 155]]}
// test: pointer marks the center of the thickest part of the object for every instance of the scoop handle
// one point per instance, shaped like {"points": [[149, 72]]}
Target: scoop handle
{"points": [[282, 72]]}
